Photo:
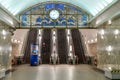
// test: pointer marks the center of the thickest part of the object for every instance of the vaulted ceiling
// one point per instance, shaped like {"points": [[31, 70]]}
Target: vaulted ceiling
{"points": [[93, 7]]}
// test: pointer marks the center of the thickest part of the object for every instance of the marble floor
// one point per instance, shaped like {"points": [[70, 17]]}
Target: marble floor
{"points": [[55, 72]]}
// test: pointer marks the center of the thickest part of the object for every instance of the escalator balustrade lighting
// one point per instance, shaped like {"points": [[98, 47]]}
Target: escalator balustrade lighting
{"points": [[54, 33], [70, 48], [68, 32]]}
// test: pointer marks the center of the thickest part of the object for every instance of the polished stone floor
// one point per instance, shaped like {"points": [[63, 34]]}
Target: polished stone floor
{"points": [[55, 72]]}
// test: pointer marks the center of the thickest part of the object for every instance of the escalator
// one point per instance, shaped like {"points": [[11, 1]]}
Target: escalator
{"points": [[62, 46], [78, 47], [46, 46], [32, 38]]}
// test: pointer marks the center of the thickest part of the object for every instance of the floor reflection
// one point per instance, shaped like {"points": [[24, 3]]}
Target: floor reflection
{"points": [[55, 72]]}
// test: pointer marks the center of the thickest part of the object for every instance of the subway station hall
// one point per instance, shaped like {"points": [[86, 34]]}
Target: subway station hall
{"points": [[59, 39]]}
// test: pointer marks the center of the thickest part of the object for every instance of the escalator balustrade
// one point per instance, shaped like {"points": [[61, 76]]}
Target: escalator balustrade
{"points": [[78, 47]]}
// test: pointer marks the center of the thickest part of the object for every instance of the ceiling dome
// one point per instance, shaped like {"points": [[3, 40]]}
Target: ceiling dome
{"points": [[93, 7]]}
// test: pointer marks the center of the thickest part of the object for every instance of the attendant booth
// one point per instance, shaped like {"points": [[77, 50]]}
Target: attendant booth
{"points": [[34, 57]]}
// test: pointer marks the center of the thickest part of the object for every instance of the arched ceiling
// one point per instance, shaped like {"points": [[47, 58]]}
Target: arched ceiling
{"points": [[91, 6]]}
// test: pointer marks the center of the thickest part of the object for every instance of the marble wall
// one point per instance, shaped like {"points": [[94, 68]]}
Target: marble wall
{"points": [[19, 42], [109, 45], [92, 49], [5, 48], [15, 50], [90, 41]]}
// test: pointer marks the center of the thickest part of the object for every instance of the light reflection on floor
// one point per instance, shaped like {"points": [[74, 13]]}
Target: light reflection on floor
{"points": [[55, 72]]}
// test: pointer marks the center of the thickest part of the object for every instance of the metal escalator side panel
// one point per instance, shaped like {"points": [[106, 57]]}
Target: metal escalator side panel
{"points": [[46, 46], [62, 45], [78, 48], [32, 35]]}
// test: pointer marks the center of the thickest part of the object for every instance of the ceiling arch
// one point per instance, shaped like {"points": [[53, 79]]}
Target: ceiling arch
{"points": [[93, 7]]}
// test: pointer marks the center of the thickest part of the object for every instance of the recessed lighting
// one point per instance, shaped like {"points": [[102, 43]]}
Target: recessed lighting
{"points": [[95, 39], [92, 41], [109, 53], [85, 42], [3, 32], [109, 48], [18, 41], [12, 40], [109, 22], [15, 41], [4, 37], [96, 35], [88, 41], [102, 32], [116, 37], [116, 32], [102, 37], [109, 68]]}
